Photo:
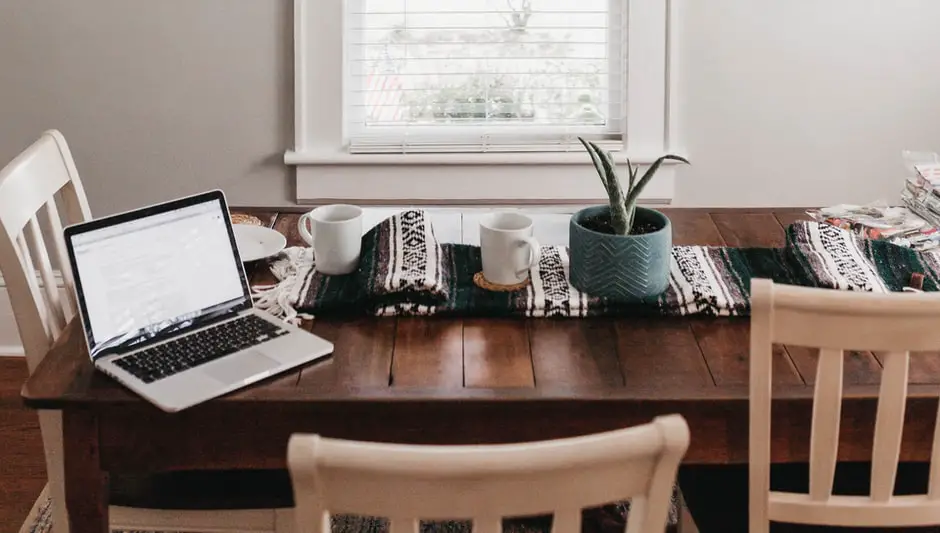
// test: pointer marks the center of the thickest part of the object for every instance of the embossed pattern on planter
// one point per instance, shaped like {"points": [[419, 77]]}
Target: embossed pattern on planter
{"points": [[631, 268]]}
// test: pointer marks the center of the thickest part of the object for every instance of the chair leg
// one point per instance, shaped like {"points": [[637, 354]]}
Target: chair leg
{"points": [[686, 523], [60, 516], [50, 424]]}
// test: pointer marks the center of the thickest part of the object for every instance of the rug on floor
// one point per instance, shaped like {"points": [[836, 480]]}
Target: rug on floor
{"points": [[609, 519], [404, 270]]}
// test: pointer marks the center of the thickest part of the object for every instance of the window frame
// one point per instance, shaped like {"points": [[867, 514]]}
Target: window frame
{"points": [[326, 171]]}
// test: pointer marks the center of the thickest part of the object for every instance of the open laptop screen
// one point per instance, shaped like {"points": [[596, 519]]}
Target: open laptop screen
{"points": [[153, 273]]}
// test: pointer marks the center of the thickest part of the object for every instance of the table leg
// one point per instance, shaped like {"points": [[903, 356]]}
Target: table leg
{"points": [[86, 486]]}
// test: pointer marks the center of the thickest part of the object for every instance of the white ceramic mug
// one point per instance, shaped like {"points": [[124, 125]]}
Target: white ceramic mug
{"points": [[507, 247], [335, 233]]}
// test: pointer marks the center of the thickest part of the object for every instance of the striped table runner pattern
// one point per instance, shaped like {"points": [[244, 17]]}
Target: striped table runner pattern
{"points": [[405, 271]]}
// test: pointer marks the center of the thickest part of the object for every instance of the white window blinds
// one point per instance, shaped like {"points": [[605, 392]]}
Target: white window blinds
{"points": [[483, 75]]}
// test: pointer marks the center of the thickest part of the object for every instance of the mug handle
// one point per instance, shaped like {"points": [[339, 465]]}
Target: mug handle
{"points": [[535, 253], [305, 233]]}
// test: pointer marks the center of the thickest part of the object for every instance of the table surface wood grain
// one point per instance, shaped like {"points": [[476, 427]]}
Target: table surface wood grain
{"points": [[451, 380]]}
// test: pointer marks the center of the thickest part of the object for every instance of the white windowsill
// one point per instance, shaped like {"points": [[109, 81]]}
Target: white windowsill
{"points": [[563, 178], [573, 157]]}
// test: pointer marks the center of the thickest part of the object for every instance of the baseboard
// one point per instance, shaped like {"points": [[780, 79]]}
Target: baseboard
{"points": [[11, 350]]}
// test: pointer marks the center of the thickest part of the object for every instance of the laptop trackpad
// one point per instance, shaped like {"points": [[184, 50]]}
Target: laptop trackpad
{"points": [[240, 367]]}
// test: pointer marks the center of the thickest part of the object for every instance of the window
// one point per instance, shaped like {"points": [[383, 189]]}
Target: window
{"points": [[510, 75], [385, 89]]}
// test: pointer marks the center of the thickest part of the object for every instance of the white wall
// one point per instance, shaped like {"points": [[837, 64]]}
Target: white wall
{"points": [[795, 102], [805, 102]]}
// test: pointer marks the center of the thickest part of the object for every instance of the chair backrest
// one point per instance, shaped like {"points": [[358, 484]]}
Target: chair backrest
{"points": [[32, 188], [485, 483], [892, 325]]}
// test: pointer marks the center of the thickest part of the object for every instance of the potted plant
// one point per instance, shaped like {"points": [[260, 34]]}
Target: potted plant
{"points": [[620, 251]]}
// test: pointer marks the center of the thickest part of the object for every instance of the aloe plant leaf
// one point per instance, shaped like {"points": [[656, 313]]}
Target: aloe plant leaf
{"points": [[607, 170], [595, 158], [633, 172], [614, 191], [631, 212], [634, 194], [618, 215]]}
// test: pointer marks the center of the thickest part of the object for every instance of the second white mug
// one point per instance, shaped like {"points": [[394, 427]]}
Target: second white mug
{"points": [[507, 247], [335, 234]]}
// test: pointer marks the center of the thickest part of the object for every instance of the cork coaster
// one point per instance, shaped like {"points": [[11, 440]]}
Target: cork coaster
{"points": [[241, 218], [482, 283]]}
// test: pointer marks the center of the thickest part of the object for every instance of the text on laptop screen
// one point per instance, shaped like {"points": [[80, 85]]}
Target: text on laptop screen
{"points": [[141, 276]]}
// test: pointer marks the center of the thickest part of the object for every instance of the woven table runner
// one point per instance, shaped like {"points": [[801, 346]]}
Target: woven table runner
{"points": [[404, 270]]}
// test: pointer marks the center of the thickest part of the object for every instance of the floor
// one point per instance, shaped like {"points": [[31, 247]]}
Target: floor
{"points": [[22, 472]]}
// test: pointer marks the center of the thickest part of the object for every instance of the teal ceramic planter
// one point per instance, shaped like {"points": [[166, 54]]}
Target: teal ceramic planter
{"points": [[631, 268]]}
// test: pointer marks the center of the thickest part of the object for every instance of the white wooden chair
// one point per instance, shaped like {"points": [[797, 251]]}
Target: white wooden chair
{"points": [[33, 187], [892, 325], [487, 483]]}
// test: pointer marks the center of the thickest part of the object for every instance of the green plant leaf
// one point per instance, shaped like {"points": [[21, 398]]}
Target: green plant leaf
{"points": [[613, 183], [634, 193], [633, 172], [607, 170], [618, 215], [591, 150]]}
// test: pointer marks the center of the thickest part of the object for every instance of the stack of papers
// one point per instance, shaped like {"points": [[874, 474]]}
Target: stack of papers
{"points": [[898, 225], [921, 194]]}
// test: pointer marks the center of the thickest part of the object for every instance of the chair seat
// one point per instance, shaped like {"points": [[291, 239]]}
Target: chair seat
{"points": [[204, 490]]}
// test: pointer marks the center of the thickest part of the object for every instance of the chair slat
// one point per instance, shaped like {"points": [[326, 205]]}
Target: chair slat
{"points": [[51, 213], [827, 413], [889, 423], [403, 525], [50, 287], [933, 488], [761, 373], [324, 524], [566, 521], [636, 523], [74, 200], [27, 261], [488, 524]]}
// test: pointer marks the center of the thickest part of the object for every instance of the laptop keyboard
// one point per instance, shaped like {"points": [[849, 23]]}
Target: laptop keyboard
{"points": [[164, 360]]}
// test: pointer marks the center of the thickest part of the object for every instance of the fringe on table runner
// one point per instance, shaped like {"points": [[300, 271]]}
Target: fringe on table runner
{"points": [[293, 269]]}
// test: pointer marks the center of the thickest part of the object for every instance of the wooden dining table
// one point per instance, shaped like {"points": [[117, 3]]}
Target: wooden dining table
{"points": [[475, 380]]}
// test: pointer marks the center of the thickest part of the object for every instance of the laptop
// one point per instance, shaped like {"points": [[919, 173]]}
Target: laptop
{"points": [[166, 307]]}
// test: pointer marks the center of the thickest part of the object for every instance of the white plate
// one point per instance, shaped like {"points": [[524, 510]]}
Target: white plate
{"points": [[257, 242]]}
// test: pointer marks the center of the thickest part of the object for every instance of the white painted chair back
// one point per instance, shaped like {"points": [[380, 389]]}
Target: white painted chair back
{"points": [[33, 187], [893, 325], [485, 484]]}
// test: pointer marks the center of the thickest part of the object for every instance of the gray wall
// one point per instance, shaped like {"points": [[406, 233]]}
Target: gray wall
{"points": [[781, 103], [157, 98]]}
